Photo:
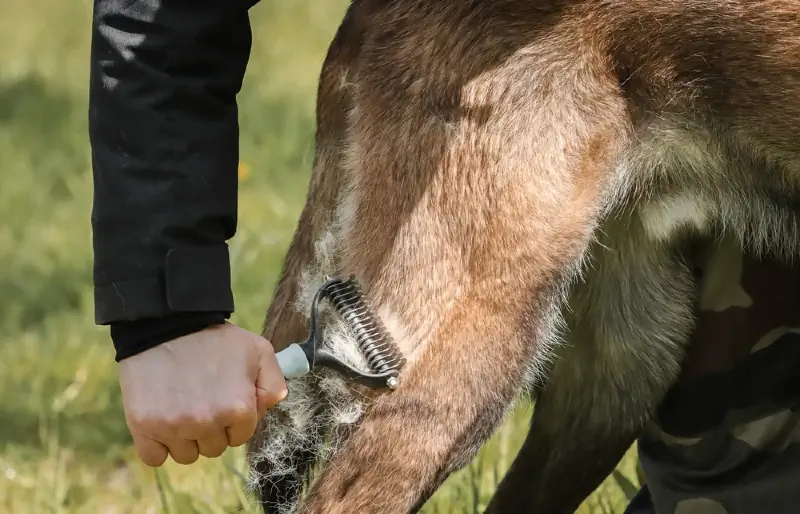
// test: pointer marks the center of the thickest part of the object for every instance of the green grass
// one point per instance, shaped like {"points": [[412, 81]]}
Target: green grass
{"points": [[64, 446]]}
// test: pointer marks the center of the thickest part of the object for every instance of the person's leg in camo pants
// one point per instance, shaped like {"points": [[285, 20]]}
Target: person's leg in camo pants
{"points": [[727, 439]]}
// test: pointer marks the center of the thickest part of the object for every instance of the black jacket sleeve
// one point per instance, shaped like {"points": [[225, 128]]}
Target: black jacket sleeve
{"points": [[163, 128]]}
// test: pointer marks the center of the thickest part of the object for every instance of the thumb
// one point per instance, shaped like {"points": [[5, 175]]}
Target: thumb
{"points": [[270, 384]]}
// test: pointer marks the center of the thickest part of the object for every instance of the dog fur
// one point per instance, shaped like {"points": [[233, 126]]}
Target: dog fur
{"points": [[515, 184]]}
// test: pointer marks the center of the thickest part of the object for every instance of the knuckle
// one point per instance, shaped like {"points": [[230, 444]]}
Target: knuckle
{"points": [[194, 425], [175, 421], [239, 411], [143, 418], [203, 420], [273, 396]]}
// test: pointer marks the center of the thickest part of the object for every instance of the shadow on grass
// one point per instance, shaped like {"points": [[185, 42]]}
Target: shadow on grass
{"points": [[34, 294], [33, 107], [48, 128], [41, 129], [101, 434]]}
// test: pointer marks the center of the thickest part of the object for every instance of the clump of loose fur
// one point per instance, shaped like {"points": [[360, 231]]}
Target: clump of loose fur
{"points": [[316, 408], [320, 406]]}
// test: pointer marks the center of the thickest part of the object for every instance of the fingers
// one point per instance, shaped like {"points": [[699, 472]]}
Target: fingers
{"points": [[240, 432], [270, 383], [203, 414], [183, 451], [213, 443], [206, 435], [151, 452], [231, 426]]}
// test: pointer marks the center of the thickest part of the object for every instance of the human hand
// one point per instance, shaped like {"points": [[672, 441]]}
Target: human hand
{"points": [[199, 394]]}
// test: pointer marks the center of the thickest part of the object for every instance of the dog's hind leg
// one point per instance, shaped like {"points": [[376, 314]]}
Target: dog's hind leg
{"points": [[629, 326]]}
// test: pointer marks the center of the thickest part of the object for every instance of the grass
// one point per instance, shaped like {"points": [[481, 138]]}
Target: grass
{"points": [[64, 446]]}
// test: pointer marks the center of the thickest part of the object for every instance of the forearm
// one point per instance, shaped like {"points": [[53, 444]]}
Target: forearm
{"points": [[163, 127]]}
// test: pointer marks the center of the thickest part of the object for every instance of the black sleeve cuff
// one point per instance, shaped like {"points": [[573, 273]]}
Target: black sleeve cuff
{"points": [[194, 279], [133, 337]]}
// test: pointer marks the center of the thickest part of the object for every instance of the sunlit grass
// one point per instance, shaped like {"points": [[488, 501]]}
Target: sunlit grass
{"points": [[64, 447]]}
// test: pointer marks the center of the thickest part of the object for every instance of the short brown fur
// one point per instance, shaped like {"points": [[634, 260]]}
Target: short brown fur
{"points": [[515, 173]]}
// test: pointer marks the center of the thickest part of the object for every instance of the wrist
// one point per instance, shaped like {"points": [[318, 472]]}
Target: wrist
{"points": [[133, 337]]}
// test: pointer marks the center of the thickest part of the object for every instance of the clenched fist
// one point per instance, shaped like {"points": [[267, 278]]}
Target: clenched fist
{"points": [[199, 394]]}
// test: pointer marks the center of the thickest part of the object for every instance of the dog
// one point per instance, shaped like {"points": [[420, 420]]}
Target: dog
{"points": [[515, 183]]}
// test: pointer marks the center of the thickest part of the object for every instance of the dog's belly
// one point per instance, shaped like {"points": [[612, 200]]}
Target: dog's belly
{"points": [[664, 218]]}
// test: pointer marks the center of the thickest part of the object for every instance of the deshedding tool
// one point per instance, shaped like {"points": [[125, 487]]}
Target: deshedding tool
{"points": [[372, 339]]}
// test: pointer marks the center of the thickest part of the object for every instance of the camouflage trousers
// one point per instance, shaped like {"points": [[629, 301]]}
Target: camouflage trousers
{"points": [[726, 439]]}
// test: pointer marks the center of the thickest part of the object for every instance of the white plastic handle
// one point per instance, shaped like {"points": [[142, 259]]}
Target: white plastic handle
{"points": [[293, 361]]}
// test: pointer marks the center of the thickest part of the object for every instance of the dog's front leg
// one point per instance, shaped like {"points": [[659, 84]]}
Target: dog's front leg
{"points": [[448, 404], [466, 213], [280, 475]]}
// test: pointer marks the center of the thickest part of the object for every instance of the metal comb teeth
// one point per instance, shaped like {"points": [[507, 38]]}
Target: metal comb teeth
{"points": [[372, 338]]}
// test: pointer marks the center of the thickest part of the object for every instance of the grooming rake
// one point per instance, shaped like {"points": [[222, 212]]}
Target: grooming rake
{"points": [[372, 339]]}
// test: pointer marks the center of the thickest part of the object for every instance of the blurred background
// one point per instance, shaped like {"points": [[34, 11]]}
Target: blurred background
{"points": [[64, 446]]}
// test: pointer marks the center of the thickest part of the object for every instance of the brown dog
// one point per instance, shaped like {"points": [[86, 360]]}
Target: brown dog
{"points": [[500, 175]]}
